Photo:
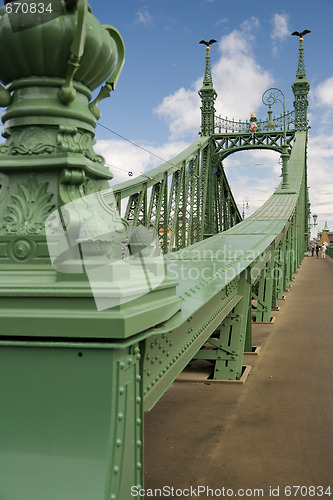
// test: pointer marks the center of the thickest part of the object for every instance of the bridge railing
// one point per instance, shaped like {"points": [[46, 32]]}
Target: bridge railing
{"points": [[330, 251], [218, 279], [224, 125]]}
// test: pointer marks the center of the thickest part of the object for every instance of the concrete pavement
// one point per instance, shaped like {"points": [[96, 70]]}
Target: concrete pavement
{"points": [[274, 431]]}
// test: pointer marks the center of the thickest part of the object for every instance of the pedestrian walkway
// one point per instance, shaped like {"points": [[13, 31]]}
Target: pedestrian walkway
{"points": [[274, 431]]}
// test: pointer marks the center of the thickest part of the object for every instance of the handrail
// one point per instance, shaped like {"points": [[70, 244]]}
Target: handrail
{"points": [[222, 125]]}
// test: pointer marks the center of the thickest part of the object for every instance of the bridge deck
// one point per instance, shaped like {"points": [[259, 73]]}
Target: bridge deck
{"points": [[276, 429]]}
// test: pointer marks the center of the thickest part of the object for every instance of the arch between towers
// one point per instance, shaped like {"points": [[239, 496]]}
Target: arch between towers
{"points": [[230, 145]]}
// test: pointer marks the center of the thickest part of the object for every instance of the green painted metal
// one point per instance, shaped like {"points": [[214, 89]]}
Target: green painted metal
{"points": [[71, 407], [179, 208], [208, 95], [213, 269], [329, 251], [301, 89], [72, 415]]}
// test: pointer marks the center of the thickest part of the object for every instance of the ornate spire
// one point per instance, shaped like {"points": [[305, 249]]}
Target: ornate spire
{"points": [[300, 66], [208, 96], [324, 235], [326, 227], [301, 89]]}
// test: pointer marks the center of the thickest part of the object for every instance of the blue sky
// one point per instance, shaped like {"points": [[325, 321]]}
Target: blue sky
{"points": [[156, 105]]}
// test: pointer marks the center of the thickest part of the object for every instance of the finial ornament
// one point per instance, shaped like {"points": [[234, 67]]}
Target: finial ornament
{"points": [[208, 43], [301, 34]]}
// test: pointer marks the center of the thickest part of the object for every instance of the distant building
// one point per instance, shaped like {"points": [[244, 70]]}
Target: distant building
{"points": [[325, 235]]}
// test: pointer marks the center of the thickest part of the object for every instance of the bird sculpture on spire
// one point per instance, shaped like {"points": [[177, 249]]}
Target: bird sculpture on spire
{"points": [[208, 43], [301, 34]]}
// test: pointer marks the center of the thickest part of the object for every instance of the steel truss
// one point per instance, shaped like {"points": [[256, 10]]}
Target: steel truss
{"points": [[185, 200]]}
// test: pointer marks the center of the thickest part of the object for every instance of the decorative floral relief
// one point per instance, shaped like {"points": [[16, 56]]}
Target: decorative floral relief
{"points": [[32, 141], [72, 141], [22, 249], [29, 210], [4, 149]]}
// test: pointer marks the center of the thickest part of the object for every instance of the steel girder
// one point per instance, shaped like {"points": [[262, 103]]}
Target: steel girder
{"points": [[229, 143]]}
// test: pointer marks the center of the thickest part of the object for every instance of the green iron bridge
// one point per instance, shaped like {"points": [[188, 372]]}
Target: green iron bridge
{"points": [[76, 381]]}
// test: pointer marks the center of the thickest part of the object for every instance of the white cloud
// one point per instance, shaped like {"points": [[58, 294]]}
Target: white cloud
{"points": [[182, 111], [320, 179], [280, 30], [280, 27], [124, 158], [253, 175], [238, 79], [144, 16], [323, 93]]}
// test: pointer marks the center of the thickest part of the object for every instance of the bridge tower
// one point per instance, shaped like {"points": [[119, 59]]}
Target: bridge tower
{"points": [[301, 89], [208, 96]]}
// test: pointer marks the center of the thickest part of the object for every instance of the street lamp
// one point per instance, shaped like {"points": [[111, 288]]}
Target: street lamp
{"points": [[245, 205], [314, 224], [270, 97]]}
